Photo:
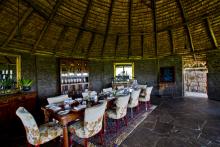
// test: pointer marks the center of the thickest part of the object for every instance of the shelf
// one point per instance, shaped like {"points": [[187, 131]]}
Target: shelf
{"points": [[74, 84]]}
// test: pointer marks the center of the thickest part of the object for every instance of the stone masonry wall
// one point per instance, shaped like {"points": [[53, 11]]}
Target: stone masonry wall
{"points": [[213, 63]]}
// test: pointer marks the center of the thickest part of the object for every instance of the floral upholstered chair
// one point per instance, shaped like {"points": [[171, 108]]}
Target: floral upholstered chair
{"points": [[120, 87], [146, 97], [105, 90], [92, 123], [57, 99], [133, 102], [120, 111], [38, 135]]}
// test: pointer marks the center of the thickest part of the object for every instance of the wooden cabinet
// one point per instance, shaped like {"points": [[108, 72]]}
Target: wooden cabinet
{"points": [[10, 103], [74, 75]]}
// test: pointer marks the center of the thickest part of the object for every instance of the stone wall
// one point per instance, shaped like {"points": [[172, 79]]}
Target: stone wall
{"points": [[213, 63], [101, 73], [44, 70], [146, 71], [174, 89]]}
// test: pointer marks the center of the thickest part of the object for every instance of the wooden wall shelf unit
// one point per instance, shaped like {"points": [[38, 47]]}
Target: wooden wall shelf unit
{"points": [[9, 104], [74, 75]]}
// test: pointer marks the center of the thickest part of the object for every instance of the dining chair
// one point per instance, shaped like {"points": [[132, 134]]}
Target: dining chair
{"points": [[92, 123], [107, 89], [142, 86], [133, 101], [120, 87], [92, 93], [38, 135], [120, 110], [57, 99], [85, 95], [146, 97]]}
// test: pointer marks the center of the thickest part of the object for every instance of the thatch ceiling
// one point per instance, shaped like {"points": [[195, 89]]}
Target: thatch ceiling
{"points": [[113, 29]]}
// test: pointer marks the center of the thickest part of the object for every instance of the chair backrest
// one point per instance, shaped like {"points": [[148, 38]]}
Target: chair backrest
{"points": [[93, 93], [85, 95], [107, 89], [30, 125], [134, 98], [57, 99], [121, 105], [93, 119], [121, 87], [149, 90], [142, 86]]}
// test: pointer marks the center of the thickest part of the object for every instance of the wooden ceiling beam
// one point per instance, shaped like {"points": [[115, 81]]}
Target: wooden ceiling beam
{"points": [[184, 17], [44, 14], [211, 33], [83, 23], [116, 44], [61, 38], [37, 8], [154, 11], [170, 32], [107, 26], [129, 27], [27, 13], [46, 25], [90, 44]]}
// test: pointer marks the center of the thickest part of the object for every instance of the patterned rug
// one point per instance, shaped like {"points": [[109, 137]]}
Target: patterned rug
{"points": [[113, 138]]}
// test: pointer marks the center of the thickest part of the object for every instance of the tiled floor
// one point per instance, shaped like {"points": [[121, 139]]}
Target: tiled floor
{"points": [[177, 122], [180, 122]]}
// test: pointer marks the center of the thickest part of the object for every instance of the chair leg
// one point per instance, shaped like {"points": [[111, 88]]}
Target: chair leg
{"points": [[126, 120], [86, 142], [146, 105], [28, 144], [138, 108], [117, 125], [70, 139], [101, 137], [131, 112]]}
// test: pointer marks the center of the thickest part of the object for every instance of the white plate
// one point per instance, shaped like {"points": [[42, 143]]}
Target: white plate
{"points": [[63, 112], [79, 107]]}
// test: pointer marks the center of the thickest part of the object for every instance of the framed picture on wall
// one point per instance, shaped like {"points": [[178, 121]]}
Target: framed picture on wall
{"points": [[167, 74]]}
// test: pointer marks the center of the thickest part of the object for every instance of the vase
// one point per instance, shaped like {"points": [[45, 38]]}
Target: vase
{"points": [[26, 88]]}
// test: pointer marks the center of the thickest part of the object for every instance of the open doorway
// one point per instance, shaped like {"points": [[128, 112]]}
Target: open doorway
{"points": [[195, 79]]}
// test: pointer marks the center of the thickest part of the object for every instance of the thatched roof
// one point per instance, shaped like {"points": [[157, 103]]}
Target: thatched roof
{"points": [[113, 29]]}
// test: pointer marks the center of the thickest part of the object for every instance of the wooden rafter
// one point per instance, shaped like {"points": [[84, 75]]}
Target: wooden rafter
{"points": [[37, 8], [27, 13], [46, 25], [90, 44], [129, 27], [142, 46], [116, 44], [211, 33], [184, 17], [44, 14], [61, 38], [107, 26], [83, 23], [154, 11], [171, 41]]}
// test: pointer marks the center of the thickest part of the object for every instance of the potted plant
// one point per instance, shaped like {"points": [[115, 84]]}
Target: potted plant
{"points": [[26, 84]]}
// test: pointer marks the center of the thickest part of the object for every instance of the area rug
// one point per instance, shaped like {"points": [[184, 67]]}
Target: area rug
{"points": [[113, 138]]}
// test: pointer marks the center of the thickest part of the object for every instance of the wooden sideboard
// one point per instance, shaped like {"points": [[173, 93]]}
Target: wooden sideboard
{"points": [[9, 104]]}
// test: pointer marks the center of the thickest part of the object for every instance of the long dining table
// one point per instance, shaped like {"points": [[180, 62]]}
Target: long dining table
{"points": [[64, 120], [71, 116]]}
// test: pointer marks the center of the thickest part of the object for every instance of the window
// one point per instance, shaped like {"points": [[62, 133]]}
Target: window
{"points": [[10, 71], [123, 71]]}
